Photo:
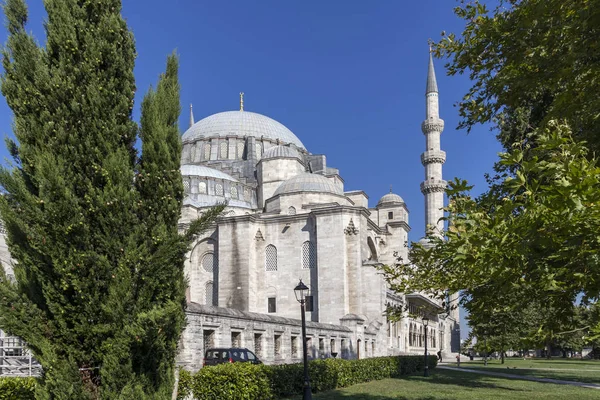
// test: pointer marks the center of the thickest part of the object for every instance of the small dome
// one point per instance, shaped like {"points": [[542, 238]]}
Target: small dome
{"points": [[240, 123], [390, 198], [280, 151], [200, 170], [308, 182]]}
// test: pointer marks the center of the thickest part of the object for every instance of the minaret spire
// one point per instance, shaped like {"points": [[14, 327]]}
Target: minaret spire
{"points": [[431, 81], [191, 115], [433, 158]]}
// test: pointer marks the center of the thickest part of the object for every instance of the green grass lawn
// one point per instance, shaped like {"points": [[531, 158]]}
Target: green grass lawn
{"points": [[569, 369], [447, 385]]}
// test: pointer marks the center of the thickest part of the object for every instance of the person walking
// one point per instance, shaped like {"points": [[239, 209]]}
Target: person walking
{"points": [[439, 354]]}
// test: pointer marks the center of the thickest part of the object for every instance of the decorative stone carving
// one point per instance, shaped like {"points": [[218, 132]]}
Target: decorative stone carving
{"points": [[432, 125], [259, 236], [351, 229]]}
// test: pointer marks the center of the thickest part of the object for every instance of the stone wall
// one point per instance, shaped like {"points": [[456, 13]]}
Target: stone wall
{"points": [[275, 340]]}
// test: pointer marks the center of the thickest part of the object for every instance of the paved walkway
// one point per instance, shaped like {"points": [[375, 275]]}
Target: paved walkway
{"points": [[522, 377]]}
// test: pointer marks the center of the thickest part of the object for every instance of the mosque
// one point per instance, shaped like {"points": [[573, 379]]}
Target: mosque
{"points": [[289, 216]]}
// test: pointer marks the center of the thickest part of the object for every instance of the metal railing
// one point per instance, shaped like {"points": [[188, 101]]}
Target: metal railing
{"points": [[16, 359]]}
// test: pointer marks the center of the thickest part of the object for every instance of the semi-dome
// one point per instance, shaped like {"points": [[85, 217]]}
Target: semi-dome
{"points": [[308, 182], [390, 198], [241, 123], [200, 170], [280, 152]]}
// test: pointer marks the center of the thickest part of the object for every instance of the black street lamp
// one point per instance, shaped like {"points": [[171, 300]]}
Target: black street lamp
{"points": [[426, 371], [301, 291]]}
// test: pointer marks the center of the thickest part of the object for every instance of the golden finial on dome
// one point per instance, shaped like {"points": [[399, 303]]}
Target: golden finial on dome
{"points": [[241, 101], [390, 188]]}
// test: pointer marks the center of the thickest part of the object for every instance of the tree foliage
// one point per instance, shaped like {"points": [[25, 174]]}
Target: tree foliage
{"points": [[99, 292], [531, 61], [539, 241]]}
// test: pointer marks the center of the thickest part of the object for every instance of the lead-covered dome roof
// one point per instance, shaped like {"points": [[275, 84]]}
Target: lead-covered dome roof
{"points": [[308, 182], [206, 172], [280, 152], [241, 123], [390, 198]]}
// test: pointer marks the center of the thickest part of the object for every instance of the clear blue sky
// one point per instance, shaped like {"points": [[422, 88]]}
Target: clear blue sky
{"points": [[347, 77]]}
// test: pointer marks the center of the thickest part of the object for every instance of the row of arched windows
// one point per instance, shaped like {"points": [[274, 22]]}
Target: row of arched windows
{"points": [[201, 151], [202, 188], [416, 336], [309, 256]]}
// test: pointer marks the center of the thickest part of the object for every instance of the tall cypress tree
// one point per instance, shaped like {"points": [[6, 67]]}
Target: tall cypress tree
{"points": [[99, 292]]}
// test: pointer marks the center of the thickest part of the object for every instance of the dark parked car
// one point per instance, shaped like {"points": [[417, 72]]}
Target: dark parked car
{"points": [[229, 355]]}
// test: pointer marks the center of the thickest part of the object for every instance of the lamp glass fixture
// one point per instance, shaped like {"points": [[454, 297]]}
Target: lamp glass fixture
{"points": [[301, 291]]}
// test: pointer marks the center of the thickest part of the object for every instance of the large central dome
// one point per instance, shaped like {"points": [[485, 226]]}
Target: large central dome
{"points": [[241, 123]]}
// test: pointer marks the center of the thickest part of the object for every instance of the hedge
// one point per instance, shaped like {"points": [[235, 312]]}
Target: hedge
{"points": [[247, 381], [17, 388]]}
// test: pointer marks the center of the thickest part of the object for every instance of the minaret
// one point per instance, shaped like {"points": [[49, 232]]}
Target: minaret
{"points": [[191, 115], [432, 159]]}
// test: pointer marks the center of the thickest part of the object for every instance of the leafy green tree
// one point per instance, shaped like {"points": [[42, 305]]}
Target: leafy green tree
{"points": [[99, 291], [530, 61], [540, 240]]}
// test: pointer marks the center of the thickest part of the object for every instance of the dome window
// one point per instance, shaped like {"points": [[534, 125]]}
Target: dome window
{"points": [[240, 150], [292, 210], [234, 192], [186, 186], [223, 147], [219, 189], [259, 152], [247, 194], [202, 188], [206, 151], [390, 215]]}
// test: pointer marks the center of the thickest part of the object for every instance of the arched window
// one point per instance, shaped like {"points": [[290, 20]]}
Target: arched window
{"points": [[271, 258], [234, 192], [206, 151], [223, 147], [258, 147], [292, 210], [240, 150], [309, 255], [211, 295], [246, 194], [210, 263], [219, 189], [202, 188], [186, 186]]}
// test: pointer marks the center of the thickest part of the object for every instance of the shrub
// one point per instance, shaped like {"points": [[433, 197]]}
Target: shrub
{"points": [[17, 388], [246, 381], [233, 382]]}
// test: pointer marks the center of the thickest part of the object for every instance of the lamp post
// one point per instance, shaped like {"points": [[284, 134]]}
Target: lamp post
{"points": [[425, 323], [301, 291]]}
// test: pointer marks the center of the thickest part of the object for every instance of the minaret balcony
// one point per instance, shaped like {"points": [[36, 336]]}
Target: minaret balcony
{"points": [[432, 125], [433, 185], [433, 156]]}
